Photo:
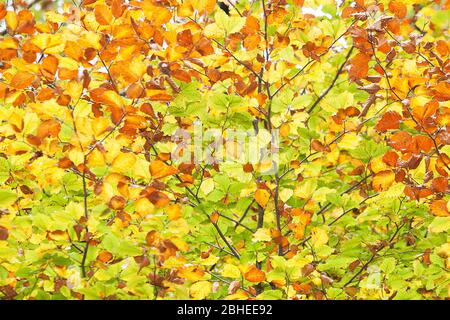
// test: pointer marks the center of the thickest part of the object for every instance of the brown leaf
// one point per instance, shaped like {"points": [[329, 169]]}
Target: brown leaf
{"points": [[117, 203], [151, 237], [159, 199], [4, 233]]}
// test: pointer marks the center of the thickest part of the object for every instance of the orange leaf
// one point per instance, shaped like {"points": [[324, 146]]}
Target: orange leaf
{"points": [[105, 256], [255, 275], [262, 197], [390, 158], [135, 91], [439, 208], [2, 10], [214, 217], [159, 169], [65, 163], [423, 112], [440, 184], [251, 42], [181, 75], [316, 145], [252, 24], [4, 233], [108, 97], [22, 80], [423, 143], [161, 97], [398, 8], [103, 15], [174, 212], [48, 128], [117, 8], [389, 120], [49, 66], [184, 38], [416, 193], [73, 50], [359, 66], [401, 141]]}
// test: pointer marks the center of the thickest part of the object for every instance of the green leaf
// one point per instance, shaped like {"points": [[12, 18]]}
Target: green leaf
{"points": [[439, 224], [7, 197], [368, 149]]}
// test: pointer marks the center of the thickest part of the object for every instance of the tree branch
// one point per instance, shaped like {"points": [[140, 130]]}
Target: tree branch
{"points": [[332, 82]]}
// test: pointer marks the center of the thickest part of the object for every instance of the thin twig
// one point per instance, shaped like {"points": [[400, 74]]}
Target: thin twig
{"points": [[332, 82]]}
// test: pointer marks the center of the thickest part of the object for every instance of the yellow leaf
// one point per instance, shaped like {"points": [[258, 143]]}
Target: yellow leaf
{"points": [[349, 141], [200, 290], [286, 194], [74, 89], [207, 186], [55, 17], [305, 189], [96, 158], [262, 234], [262, 197], [231, 271], [180, 244], [178, 227], [210, 261], [108, 97], [143, 206], [377, 165], [103, 14], [77, 157], [191, 273], [264, 137], [174, 212], [319, 236], [124, 162], [383, 180], [11, 20]]}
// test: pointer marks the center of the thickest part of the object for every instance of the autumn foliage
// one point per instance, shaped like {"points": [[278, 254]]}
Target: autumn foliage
{"points": [[94, 206]]}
